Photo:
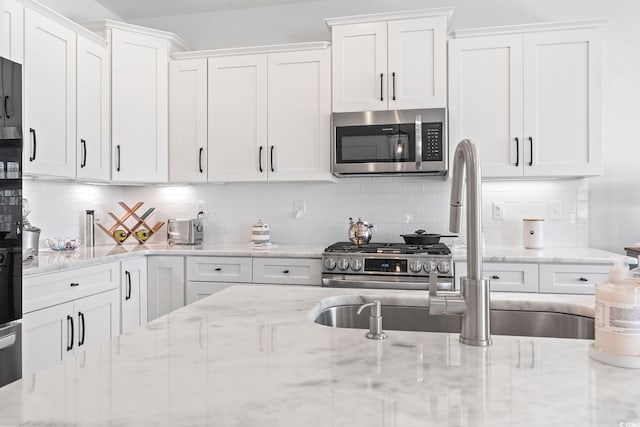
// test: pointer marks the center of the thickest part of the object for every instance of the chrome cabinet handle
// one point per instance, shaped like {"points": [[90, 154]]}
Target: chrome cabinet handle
{"points": [[517, 152], [118, 158], [381, 86], [260, 159], [200, 160], [83, 329], [531, 151], [393, 79], [271, 159], [34, 145], [70, 323], [83, 145], [419, 142]]}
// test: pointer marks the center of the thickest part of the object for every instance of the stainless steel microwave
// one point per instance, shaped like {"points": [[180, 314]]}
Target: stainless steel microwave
{"points": [[403, 142]]}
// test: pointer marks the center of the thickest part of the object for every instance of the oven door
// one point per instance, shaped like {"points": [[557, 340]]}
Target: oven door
{"points": [[384, 282]]}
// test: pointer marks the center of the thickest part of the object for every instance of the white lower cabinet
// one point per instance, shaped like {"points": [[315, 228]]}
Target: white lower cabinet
{"points": [[133, 294], [165, 285], [52, 333], [543, 278], [287, 271], [198, 290]]}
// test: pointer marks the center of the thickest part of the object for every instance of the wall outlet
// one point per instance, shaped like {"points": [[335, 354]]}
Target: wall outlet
{"points": [[497, 211], [201, 206], [555, 211], [299, 208]]}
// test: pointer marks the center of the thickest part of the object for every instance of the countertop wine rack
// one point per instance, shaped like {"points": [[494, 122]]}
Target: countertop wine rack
{"points": [[141, 230]]}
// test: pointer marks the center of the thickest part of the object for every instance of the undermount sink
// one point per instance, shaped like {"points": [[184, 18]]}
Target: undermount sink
{"points": [[503, 322]]}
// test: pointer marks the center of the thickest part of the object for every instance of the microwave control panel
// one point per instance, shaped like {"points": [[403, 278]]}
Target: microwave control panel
{"points": [[432, 141]]}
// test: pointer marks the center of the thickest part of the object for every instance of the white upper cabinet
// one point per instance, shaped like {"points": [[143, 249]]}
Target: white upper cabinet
{"points": [[529, 98], [188, 120], [93, 145], [299, 126], [50, 97], [11, 40], [238, 118], [390, 61], [139, 111], [269, 115]]}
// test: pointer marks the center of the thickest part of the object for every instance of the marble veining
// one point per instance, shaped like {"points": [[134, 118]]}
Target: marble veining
{"points": [[252, 356]]}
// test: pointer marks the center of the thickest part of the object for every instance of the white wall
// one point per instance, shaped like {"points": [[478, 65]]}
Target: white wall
{"points": [[88, 11]]}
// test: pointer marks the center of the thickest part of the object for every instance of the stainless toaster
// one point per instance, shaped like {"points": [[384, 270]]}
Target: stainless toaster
{"points": [[185, 231]]}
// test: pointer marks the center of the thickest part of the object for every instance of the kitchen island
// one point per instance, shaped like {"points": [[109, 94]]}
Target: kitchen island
{"points": [[252, 356]]}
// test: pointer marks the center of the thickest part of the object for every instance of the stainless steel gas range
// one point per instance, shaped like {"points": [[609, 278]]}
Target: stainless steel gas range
{"points": [[387, 266]]}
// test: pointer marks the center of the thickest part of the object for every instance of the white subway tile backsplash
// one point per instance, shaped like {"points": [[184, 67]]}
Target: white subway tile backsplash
{"points": [[396, 205]]}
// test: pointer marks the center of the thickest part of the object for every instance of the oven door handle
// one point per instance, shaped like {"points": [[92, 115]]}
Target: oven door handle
{"points": [[419, 142], [382, 284], [7, 341]]}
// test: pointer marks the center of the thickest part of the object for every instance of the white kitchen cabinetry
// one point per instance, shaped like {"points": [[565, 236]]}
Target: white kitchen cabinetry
{"points": [[133, 294], [529, 97], [572, 278], [260, 126], [93, 146], [50, 97], [188, 120], [67, 311], [208, 275], [165, 285], [287, 271], [505, 277], [390, 61], [11, 40]]}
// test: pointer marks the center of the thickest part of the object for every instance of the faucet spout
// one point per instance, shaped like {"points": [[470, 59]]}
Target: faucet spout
{"points": [[474, 289]]}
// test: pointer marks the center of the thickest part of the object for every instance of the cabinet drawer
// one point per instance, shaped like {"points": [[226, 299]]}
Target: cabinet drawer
{"points": [[572, 278], [199, 290], [55, 288], [219, 269], [287, 271], [506, 277]]}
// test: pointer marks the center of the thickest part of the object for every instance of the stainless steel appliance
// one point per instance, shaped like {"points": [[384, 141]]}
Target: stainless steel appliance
{"points": [[387, 266], [185, 231], [403, 142], [10, 221]]}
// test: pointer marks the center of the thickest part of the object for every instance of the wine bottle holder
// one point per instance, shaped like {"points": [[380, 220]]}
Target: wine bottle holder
{"points": [[137, 231]]}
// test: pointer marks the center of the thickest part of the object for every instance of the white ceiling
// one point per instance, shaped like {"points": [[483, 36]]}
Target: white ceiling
{"points": [[135, 9]]}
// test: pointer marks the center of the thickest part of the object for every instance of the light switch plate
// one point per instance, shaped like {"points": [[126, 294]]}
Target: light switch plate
{"points": [[497, 211]]}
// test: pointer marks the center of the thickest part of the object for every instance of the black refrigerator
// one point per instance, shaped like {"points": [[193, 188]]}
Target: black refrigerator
{"points": [[10, 221]]}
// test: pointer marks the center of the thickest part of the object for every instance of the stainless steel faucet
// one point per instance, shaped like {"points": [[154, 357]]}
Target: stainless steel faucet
{"points": [[472, 302]]}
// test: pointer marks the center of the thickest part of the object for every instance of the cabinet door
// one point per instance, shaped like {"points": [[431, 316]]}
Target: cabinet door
{"points": [[11, 92], [48, 335], [188, 120], [238, 118], [97, 318], [50, 97], [417, 70], [94, 151], [485, 101], [359, 65], [299, 126], [133, 294], [572, 278], [11, 42], [199, 290], [165, 286], [562, 109], [139, 111]]}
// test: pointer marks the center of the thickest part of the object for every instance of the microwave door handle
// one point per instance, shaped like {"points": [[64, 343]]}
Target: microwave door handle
{"points": [[418, 142]]}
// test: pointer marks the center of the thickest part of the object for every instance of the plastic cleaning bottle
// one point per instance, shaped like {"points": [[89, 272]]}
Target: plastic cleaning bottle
{"points": [[635, 273], [617, 320]]}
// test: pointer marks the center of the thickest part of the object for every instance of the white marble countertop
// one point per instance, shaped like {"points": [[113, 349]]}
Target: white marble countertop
{"points": [[49, 260], [252, 356]]}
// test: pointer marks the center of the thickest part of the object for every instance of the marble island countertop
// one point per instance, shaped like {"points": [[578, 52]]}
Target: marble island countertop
{"points": [[49, 260], [252, 356]]}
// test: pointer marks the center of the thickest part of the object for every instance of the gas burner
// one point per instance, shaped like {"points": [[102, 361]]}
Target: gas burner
{"points": [[389, 248]]}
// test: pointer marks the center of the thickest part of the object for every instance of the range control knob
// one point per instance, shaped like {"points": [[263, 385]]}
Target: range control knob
{"points": [[444, 267], [329, 263], [429, 266], [343, 264], [355, 264], [199, 228], [415, 265]]}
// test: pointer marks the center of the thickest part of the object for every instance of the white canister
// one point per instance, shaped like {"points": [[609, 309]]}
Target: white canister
{"points": [[533, 233]]}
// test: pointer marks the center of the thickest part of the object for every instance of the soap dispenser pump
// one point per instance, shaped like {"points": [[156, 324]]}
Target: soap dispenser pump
{"points": [[617, 320]]}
